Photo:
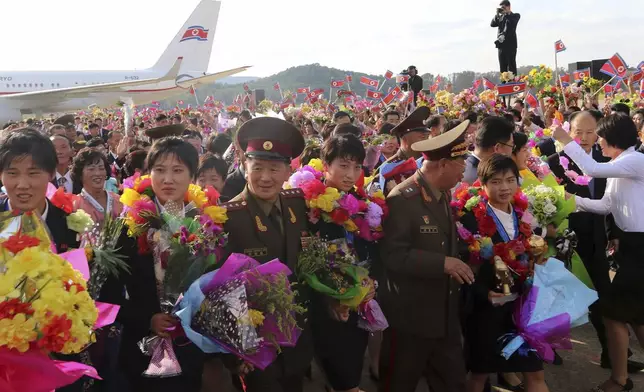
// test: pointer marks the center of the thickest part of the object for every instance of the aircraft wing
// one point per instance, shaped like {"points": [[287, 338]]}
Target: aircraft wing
{"points": [[211, 78], [71, 92]]}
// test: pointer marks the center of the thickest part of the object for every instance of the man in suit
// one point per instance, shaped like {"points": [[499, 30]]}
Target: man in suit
{"points": [[409, 131], [266, 222], [236, 179], [64, 154], [420, 288], [27, 164], [590, 228], [506, 39], [493, 136]]}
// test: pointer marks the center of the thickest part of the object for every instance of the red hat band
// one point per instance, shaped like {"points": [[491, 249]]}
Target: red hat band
{"points": [[263, 145]]}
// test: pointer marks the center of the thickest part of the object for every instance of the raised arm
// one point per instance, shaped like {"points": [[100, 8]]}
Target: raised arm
{"points": [[620, 168]]}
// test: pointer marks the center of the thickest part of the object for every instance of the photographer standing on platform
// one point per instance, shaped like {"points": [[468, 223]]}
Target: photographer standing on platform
{"points": [[506, 38]]}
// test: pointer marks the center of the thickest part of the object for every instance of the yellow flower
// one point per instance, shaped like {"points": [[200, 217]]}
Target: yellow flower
{"points": [[79, 221], [316, 163], [533, 72], [333, 248], [217, 214], [18, 332], [585, 78], [379, 195], [325, 202], [547, 132], [536, 151], [196, 195], [140, 180], [350, 226], [129, 197]]}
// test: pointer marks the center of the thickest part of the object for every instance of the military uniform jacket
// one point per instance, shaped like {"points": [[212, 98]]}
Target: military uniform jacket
{"points": [[252, 233], [416, 294]]}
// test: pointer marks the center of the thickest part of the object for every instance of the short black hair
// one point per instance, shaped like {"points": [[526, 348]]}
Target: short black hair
{"points": [[434, 120], [88, 156], [451, 124], [176, 146], [520, 140], [495, 164], [346, 146], [218, 143], [95, 142], [30, 142], [92, 126], [340, 114], [520, 102], [493, 130], [161, 117], [189, 134], [111, 134], [245, 113], [311, 151], [621, 107], [54, 128], [209, 161], [385, 129], [135, 160], [470, 116], [516, 113], [389, 113], [71, 143], [505, 3], [618, 130], [345, 129]]}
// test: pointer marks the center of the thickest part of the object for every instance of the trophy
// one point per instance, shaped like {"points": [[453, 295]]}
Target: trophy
{"points": [[504, 279]]}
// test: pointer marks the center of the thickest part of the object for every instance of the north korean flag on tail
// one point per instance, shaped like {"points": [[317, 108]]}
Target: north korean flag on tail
{"points": [[369, 82], [565, 80], [195, 33], [580, 74], [615, 66], [393, 94], [371, 94], [510, 88], [303, 90], [402, 78], [337, 83], [531, 100], [389, 74], [559, 46]]}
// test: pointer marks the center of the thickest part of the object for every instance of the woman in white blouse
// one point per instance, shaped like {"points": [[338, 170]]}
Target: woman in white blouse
{"points": [[623, 302]]}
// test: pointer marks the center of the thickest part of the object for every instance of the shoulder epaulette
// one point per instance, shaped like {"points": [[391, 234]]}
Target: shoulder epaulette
{"points": [[292, 193], [234, 205], [410, 191]]}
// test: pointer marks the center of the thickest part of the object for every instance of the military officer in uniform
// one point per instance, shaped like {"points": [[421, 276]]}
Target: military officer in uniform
{"points": [[420, 287], [409, 131], [266, 222]]}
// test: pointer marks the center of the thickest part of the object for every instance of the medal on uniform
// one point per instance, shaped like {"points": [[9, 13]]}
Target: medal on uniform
{"points": [[260, 226], [293, 219], [426, 219]]}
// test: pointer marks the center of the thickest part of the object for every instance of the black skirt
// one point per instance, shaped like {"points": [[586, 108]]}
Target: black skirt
{"points": [[484, 327], [339, 347], [624, 298]]}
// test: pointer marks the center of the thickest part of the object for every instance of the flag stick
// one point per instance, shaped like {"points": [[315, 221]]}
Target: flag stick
{"points": [[563, 93], [194, 92], [630, 90], [281, 94], [605, 84], [382, 84]]}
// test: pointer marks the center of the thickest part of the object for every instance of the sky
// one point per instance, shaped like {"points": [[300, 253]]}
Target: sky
{"points": [[371, 36]]}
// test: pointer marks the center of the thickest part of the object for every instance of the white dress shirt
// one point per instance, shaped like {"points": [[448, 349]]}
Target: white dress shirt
{"points": [[69, 185], [507, 220], [624, 187]]}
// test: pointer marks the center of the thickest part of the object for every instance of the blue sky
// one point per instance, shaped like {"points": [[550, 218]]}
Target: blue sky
{"points": [[437, 36]]}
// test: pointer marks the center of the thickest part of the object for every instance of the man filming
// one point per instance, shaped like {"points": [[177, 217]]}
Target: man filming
{"points": [[506, 38]]}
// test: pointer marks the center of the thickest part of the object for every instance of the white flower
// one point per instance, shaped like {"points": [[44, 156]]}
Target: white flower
{"points": [[549, 208]]}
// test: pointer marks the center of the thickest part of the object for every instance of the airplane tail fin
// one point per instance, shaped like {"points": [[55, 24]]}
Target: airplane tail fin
{"points": [[193, 42]]}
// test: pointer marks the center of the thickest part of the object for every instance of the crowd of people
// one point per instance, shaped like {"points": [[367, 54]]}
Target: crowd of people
{"points": [[430, 202]]}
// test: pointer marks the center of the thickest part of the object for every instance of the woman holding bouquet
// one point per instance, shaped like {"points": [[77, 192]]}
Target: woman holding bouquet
{"points": [[498, 249], [339, 343], [172, 166]]}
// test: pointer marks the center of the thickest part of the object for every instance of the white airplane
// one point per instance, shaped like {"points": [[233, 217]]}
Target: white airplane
{"points": [[183, 65]]}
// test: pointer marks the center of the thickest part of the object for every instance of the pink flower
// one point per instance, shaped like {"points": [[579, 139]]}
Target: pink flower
{"points": [[527, 217], [564, 162], [539, 133], [572, 174], [583, 180], [350, 204], [532, 143], [300, 177], [374, 215]]}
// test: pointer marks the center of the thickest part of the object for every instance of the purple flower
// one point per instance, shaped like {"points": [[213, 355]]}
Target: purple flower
{"points": [[564, 162], [374, 215], [349, 203], [301, 176]]}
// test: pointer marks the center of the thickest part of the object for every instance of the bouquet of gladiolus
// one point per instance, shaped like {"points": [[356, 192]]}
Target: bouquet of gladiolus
{"points": [[45, 308], [243, 308], [556, 302]]}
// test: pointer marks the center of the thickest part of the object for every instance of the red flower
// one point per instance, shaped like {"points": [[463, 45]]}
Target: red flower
{"points": [[312, 189], [55, 334], [501, 250], [339, 216], [480, 211], [517, 247], [525, 229], [520, 201], [143, 185], [144, 247], [553, 89], [68, 287], [12, 307], [487, 227], [212, 195], [18, 242], [63, 200]]}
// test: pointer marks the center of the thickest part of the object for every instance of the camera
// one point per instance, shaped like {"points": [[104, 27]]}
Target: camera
{"points": [[499, 10]]}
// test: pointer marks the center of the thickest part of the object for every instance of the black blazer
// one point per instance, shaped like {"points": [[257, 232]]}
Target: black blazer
{"points": [[76, 186], [507, 27], [234, 185]]}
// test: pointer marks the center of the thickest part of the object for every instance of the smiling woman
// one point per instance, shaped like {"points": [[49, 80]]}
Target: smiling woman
{"points": [[172, 164]]}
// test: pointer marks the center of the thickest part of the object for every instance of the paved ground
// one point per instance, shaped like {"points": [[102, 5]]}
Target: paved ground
{"points": [[579, 373]]}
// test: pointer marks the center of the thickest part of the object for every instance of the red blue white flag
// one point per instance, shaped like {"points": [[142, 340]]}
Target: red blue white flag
{"points": [[559, 46], [510, 88], [369, 82]]}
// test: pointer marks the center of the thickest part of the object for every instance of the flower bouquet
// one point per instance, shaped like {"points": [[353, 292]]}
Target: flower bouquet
{"points": [[466, 100], [243, 308], [45, 308], [556, 302], [547, 201], [184, 240], [539, 78]]}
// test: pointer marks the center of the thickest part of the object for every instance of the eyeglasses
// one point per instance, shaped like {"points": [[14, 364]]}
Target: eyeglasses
{"points": [[507, 145]]}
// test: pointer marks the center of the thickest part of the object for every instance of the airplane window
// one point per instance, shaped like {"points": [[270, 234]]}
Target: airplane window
{"points": [[40, 84], [13, 85], [52, 85], [57, 84], [29, 84], [18, 84]]}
